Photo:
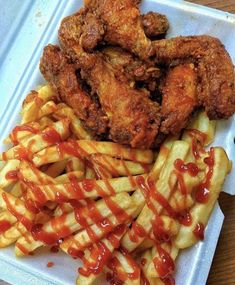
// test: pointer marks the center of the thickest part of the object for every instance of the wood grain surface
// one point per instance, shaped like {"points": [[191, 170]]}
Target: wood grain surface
{"points": [[223, 268]]}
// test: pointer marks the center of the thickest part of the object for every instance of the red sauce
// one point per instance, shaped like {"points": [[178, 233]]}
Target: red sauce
{"points": [[100, 255], [59, 226], [110, 167], [202, 192], [22, 153], [47, 238], [185, 218], [54, 249], [12, 175], [140, 181], [143, 279], [4, 226], [116, 210], [168, 280], [137, 231], [75, 253], [51, 136], [154, 194], [135, 267], [88, 184], [143, 261], [190, 167], [114, 237], [71, 148], [21, 128], [76, 188], [83, 214], [164, 265], [113, 279], [202, 137], [159, 232], [50, 264], [109, 187], [20, 217], [199, 231], [23, 249]]}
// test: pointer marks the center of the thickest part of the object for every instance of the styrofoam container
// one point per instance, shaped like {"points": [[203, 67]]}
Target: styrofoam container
{"points": [[33, 24]]}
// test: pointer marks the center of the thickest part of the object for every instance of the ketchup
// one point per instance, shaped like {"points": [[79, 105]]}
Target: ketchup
{"points": [[199, 231], [51, 136], [50, 264], [12, 175], [202, 192]]}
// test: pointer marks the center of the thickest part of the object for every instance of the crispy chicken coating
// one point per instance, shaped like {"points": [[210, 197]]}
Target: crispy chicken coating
{"points": [[154, 24], [179, 98], [62, 76], [123, 25], [215, 71], [133, 118], [128, 67]]}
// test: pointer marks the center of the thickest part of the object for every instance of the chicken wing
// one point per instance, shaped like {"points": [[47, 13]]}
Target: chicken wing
{"points": [[215, 71], [123, 25], [179, 98], [62, 76]]}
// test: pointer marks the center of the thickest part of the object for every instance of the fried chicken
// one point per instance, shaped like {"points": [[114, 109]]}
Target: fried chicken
{"points": [[179, 98], [62, 76], [154, 24], [215, 72], [123, 24], [133, 118], [128, 67]]}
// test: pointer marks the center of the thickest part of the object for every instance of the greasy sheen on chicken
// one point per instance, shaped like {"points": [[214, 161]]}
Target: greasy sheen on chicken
{"points": [[215, 72], [133, 118], [62, 76], [179, 98], [123, 25]]}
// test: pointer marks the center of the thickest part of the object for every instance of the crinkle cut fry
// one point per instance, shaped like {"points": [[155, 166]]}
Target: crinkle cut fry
{"points": [[83, 148], [66, 224]]}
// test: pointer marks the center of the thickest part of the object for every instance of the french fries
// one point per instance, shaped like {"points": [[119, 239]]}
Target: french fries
{"points": [[122, 211]]}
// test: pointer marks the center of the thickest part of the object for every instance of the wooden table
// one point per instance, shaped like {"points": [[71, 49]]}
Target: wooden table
{"points": [[223, 267]]}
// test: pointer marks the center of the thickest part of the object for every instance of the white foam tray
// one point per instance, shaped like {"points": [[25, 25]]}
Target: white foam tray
{"points": [[35, 24]]}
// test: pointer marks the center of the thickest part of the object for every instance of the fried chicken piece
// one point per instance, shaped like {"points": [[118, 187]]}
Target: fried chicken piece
{"points": [[179, 98], [62, 76], [215, 71], [93, 30], [133, 118], [128, 67], [154, 24], [123, 25]]}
